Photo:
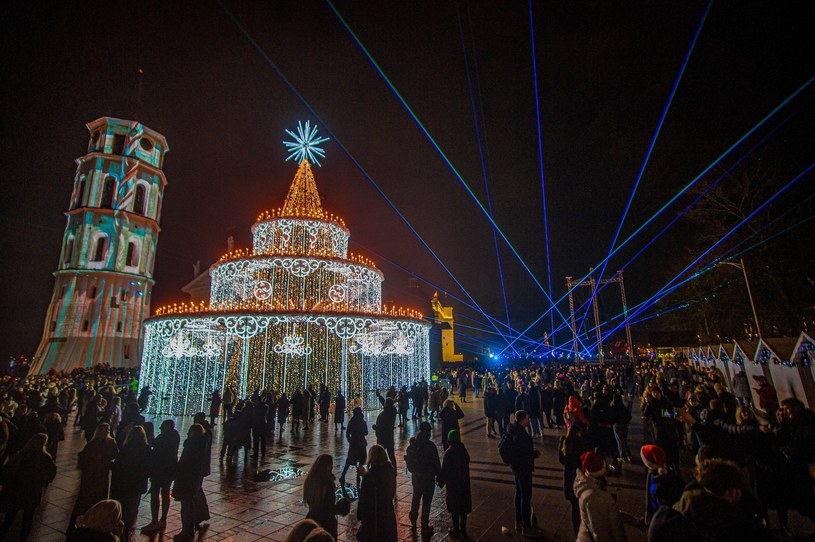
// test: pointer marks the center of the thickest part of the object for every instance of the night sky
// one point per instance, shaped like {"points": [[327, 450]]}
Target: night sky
{"points": [[605, 71]]}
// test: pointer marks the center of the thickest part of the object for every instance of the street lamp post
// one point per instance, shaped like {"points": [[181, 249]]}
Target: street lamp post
{"points": [[741, 266]]}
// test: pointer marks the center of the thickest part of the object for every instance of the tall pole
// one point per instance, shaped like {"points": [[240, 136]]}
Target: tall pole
{"points": [[625, 316], [743, 268], [750, 295], [596, 315], [571, 311]]}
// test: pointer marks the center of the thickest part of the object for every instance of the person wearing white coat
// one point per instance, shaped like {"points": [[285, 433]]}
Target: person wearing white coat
{"points": [[600, 519]]}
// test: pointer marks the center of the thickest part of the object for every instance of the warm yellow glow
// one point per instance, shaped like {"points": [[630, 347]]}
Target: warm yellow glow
{"points": [[261, 306], [274, 214]]}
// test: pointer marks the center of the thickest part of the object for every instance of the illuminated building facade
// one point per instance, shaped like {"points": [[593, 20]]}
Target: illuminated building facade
{"points": [[104, 279], [294, 311], [445, 321]]}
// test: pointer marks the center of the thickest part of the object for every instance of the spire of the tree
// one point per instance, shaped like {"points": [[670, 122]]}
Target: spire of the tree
{"points": [[303, 200]]}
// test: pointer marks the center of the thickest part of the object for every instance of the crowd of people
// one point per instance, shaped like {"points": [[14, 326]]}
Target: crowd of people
{"points": [[716, 465]]}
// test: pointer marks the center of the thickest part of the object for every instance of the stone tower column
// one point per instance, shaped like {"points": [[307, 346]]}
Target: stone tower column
{"points": [[104, 278]]}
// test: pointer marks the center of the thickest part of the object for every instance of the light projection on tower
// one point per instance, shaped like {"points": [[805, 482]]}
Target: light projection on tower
{"points": [[305, 144], [295, 310]]}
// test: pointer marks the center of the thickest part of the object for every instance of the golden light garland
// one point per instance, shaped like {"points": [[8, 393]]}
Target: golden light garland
{"points": [[296, 310], [267, 216]]}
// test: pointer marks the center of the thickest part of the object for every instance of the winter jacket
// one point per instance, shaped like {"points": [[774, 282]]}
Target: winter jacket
{"points": [[668, 525], [573, 413], [385, 423], [455, 474], [25, 477], [95, 461], [523, 449], [434, 401], [720, 520], [164, 456], [325, 512], [449, 417], [357, 443], [130, 471], [490, 404], [522, 402], [741, 386], [375, 506], [427, 467], [190, 476], [599, 516], [535, 401]]}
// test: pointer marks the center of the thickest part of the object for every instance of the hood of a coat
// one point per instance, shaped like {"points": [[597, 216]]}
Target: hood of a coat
{"points": [[583, 483]]}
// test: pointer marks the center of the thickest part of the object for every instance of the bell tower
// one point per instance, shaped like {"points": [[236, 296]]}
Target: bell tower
{"points": [[104, 278]]}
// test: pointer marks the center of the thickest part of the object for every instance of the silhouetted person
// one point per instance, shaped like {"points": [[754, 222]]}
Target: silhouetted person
{"points": [[449, 416], [357, 443], [422, 460], [339, 411], [95, 461], [383, 428], [375, 506], [27, 474], [215, 406], [259, 429], [283, 405], [163, 464], [189, 479], [455, 475], [131, 470]]}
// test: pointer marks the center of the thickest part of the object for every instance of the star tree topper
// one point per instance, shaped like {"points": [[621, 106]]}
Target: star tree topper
{"points": [[305, 144]]}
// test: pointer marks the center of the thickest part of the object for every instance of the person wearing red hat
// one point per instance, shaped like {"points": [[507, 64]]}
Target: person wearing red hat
{"points": [[655, 460], [600, 520]]}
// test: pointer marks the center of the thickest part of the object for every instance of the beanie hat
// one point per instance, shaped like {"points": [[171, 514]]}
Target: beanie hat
{"points": [[593, 464], [654, 458]]}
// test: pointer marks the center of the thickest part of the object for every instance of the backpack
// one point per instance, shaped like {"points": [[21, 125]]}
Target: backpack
{"points": [[412, 456], [506, 448]]}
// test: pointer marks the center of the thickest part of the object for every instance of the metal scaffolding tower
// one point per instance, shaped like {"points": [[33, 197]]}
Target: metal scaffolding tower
{"points": [[593, 284]]}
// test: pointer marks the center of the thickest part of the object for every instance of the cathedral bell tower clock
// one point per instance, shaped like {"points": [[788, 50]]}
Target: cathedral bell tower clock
{"points": [[104, 278]]}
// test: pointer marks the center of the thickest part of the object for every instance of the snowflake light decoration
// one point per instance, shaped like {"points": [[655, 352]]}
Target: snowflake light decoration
{"points": [[179, 346], [293, 346], [305, 144]]}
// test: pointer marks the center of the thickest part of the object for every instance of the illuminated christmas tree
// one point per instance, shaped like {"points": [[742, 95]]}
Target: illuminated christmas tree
{"points": [[297, 310]]}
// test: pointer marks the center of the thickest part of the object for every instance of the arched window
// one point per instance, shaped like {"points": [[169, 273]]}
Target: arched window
{"points": [[132, 258], [99, 250], [69, 250], [80, 193], [107, 193], [139, 199]]}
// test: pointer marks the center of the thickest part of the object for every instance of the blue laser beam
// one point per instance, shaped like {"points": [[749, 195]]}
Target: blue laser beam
{"points": [[345, 150], [540, 162], [491, 320], [682, 191], [721, 240], [718, 180], [444, 157], [483, 162], [651, 146], [731, 254]]}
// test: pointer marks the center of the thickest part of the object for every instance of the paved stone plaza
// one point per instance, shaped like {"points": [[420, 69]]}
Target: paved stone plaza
{"points": [[245, 510]]}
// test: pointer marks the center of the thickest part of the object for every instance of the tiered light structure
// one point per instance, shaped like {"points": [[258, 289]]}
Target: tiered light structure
{"points": [[294, 311]]}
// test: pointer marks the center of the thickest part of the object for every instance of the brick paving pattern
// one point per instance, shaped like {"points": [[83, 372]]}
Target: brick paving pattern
{"points": [[244, 510]]}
